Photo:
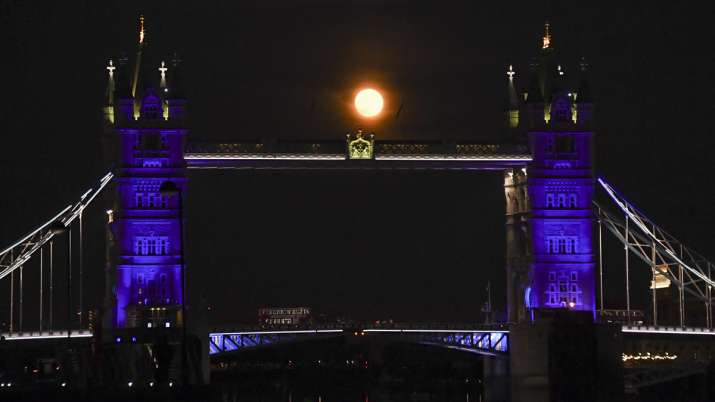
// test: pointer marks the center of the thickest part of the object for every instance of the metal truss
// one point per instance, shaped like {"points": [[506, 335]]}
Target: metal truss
{"points": [[645, 377], [489, 343], [227, 342], [20, 252], [667, 256]]}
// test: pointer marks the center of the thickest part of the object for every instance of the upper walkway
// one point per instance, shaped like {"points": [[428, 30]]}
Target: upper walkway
{"points": [[332, 154]]}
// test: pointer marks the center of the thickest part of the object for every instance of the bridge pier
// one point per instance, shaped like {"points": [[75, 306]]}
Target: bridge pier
{"points": [[564, 356], [496, 380]]}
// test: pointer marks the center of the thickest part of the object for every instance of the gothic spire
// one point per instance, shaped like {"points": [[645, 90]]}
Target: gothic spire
{"points": [[546, 39], [584, 88], [140, 47], [176, 84], [512, 106], [534, 93], [512, 98], [122, 82], [109, 95]]}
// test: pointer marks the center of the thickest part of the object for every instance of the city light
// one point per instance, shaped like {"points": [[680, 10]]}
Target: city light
{"points": [[368, 102], [649, 357]]}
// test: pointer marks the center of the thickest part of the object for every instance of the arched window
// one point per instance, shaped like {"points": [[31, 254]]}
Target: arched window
{"points": [[573, 200]]}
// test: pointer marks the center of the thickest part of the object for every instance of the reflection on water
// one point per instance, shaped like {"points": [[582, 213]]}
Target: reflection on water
{"points": [[231, 394]]}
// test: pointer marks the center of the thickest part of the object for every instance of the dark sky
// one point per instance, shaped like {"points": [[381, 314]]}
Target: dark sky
{"points": [[403, 245]]}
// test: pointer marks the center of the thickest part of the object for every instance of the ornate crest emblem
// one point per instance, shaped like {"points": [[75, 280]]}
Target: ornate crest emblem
{"points": [[360, 148]]}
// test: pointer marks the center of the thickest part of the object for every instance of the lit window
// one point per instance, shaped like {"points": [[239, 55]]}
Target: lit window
{"points": [[573, 201], [562, 200], [550, 200]]}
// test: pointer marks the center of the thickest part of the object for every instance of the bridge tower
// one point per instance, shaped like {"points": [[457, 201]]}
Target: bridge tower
{"points": [[549, 221], [145, 115]]}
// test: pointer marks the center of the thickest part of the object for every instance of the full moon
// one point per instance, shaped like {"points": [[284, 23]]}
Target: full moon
{"points": [[368, 102]]}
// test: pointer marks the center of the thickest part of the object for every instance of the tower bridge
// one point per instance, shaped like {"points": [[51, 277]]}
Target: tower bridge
{"points": [[553, 261]]}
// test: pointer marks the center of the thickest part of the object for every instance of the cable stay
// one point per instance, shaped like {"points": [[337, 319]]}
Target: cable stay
{"points": [[20, 252], [667, 256]]}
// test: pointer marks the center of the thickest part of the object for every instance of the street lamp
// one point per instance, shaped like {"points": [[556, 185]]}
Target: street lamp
{"points": [[58, 228], [169, 189]]}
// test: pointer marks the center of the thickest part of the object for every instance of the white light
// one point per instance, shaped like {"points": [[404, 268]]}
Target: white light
{"points": [[130, 384], [515, 158], [369, 102], [64, 384], [151, 383], [9, 384], [672, 331], [48, 335], [148, 325], [167, 324], [310, 331], [171, 384], [2, 384], [109, 211], [266, 157], [468, 331]]}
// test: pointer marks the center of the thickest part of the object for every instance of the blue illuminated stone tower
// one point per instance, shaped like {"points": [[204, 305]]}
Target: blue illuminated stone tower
{"points": [[145, 127], [550, 253]]}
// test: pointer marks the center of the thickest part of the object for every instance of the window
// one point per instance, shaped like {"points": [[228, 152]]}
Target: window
{"points": [[574, 276], [151, 164], [550, 200], [561, 244], [552, 276], [562, 200], [150, 142], [151, 245], [549, 144], [564, 144], [573, 200]]}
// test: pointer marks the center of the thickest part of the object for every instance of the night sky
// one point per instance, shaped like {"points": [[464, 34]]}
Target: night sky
{"points": [[416, 246]]}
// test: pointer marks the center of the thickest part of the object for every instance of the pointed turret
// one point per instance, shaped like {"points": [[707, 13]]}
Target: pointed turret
{"points": [[176, 96], [584, 101], [512, 100], [534, 98], [137, 64], [108, 107], [546, 39], [124, 107]]}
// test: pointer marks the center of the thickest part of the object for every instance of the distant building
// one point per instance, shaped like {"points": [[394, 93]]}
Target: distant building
{"points": [[283, 315]]}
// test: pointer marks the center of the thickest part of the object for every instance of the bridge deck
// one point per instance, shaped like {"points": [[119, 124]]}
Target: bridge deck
{"points": [[333, 155]]}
